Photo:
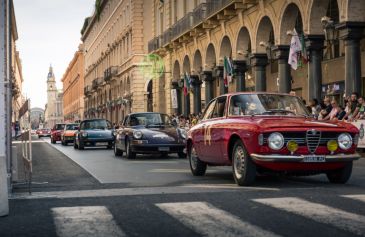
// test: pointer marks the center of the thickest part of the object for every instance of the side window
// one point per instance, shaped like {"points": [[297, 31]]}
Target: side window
{"points": [[209, 110], [219, 108], [109, 124], [82, 126]]}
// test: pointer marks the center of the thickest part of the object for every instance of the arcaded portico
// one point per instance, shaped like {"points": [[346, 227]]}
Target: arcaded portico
{"points": [[194, 37]]}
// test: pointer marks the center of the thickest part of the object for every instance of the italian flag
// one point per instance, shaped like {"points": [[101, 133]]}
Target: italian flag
{"points": [[227, 72], [187, 82]]}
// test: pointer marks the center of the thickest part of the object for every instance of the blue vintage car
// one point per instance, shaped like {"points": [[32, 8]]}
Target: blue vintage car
{"points": [[146, 133], [94, 132]]}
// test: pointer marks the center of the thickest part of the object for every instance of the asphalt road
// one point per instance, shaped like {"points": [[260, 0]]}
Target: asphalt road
{"points": [[154, 196]]}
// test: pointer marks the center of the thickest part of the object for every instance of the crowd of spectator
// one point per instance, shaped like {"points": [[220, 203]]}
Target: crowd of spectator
{"points": [[186, 122], [331, 110]]}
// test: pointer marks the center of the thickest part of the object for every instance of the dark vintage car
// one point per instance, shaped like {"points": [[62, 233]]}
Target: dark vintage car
{"points": [[56, 132], [44, 132], [94, 132], [265, 133], [147, 133], [68, 135]]}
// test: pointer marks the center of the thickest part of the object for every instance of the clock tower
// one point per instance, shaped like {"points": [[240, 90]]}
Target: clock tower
{"points": [[51, 96]]}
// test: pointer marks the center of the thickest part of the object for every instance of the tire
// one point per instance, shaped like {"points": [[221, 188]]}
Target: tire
{"points": [[128, 153], [75, 144], [63, 143], [181, 155], [340, 176], [53, 141], [243, 168], [110, 145], [81, 145], [117, 152], [197, 167]]}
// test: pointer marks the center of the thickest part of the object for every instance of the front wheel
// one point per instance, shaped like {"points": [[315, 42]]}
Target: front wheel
{"points": [[129, 154], [244, 170], [81, 145], [53, 141], [340, 176], [117, 152], [198, 167]]}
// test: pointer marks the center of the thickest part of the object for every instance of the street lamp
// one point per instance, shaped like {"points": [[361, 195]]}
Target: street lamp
{"points": [[330, 32]]}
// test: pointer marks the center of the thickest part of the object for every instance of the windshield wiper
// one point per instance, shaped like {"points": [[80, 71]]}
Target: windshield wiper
{"points": [[155, 124], [273, 111]]}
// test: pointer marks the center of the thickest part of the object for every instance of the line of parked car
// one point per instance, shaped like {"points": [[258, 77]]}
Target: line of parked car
{"points": [[140, 133]]}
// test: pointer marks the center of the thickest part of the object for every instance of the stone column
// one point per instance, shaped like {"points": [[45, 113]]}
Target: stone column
{"points": [[219, 75], [207, 77], [314, 44], [196, 82], [351, 33], [259, 62], [240, 68], [281, 53]]}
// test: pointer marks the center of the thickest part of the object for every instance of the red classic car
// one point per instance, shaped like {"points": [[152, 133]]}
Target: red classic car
{"points": [[265, 133], [56, 132]]}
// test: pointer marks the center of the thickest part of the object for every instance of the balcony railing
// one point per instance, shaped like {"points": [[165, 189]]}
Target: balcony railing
{"points": [[153, 44], [96, 82], [191, 20], [199, 14], [110, 72]]}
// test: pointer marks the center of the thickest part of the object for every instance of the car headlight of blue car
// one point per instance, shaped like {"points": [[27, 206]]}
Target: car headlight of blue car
{"points": [[137, 134]]}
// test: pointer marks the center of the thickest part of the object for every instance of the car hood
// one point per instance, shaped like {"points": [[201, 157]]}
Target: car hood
{"points": [[69, 132], [161, 134], [282, 122]]}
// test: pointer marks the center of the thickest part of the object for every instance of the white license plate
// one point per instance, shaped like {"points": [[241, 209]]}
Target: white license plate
{"points": [[164, 148], [101, 143], [314, 159]]}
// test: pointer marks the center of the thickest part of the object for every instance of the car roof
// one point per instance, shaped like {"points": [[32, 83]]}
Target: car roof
{"points": [[146, 113], [86, 120], [255, 93]]}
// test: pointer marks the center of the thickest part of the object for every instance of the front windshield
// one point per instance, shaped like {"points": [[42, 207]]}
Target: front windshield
{"points": [[149, 119], [266, 104], [97, 124], [71, 126]]}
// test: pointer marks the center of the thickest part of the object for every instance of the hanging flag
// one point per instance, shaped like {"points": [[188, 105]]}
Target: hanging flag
{"points": [[186, 84], [295, 47], [227, 72], [304, 53]]}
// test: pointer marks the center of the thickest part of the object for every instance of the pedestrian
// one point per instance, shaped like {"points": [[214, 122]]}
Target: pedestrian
{"points": [[361, 105]]}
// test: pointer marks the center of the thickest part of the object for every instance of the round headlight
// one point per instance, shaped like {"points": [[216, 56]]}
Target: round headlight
{"points": [[332, 145], [292, 146], [276, 141], [84, 134], [344, 141], [137, 134]]}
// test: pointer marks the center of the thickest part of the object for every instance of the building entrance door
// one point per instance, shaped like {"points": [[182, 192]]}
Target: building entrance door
{"points": [[149, 97]]}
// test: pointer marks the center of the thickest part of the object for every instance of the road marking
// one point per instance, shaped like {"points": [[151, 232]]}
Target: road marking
{"points": [[357, 197], [328, 215], [36, 141], [169, 171], [208, 220], [85, 221], [116, 192], [229, 186]]}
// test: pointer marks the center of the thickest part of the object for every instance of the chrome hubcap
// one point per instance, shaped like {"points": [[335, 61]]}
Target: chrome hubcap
{"points": [[193, 158], [239, 162]]}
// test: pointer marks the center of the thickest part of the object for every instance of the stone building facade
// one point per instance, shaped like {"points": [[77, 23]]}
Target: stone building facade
{"points": [[73, 88], [115, 41], [53, 112], [194, 37], [16, 71]]}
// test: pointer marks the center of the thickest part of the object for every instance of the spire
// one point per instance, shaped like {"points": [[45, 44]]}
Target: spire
{"points": [[50, 73]]}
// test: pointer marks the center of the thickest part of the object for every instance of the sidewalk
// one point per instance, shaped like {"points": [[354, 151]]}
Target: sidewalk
{"points": [[52, 171]]}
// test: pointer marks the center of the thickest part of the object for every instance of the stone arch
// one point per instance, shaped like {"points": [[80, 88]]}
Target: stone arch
{"points": [[290, 19], [225, 49], [197, 63], [355, 10], [210, 58], [243, 44], [317, 10], [265, 33], [176, 70], [186, 64]]}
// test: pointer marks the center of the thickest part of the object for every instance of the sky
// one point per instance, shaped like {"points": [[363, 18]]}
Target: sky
{"points": [[49, 33]]}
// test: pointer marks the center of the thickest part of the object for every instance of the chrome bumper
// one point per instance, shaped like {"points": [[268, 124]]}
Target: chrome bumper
{"points": [[300, 158]]}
